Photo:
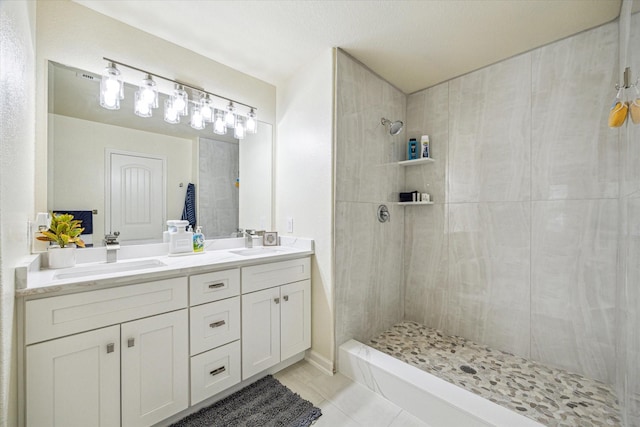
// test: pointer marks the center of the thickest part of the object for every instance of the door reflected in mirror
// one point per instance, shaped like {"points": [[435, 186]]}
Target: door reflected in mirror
{"points": [[233, 179]]}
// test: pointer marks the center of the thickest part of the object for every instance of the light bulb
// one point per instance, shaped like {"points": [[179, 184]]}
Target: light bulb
{"points": [[238, 132], [141, 106], [111, 87], [252, 123], [229, 116], [206, 107], [180, 100], [197, 120], [148, 92], [219, 126], [170, 114]]}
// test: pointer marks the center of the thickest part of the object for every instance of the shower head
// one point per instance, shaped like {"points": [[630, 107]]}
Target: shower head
{"points": [[394, 127]]}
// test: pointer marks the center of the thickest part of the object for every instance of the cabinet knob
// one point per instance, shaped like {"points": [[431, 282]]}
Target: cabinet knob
{"points": [[217, 324], [286, 297], [111, 347], [131, 342], [216, 285], [276, 300]]}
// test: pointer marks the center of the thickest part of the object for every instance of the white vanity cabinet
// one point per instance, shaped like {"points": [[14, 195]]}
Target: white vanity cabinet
{"points": [[276, 313], [77, 380]]}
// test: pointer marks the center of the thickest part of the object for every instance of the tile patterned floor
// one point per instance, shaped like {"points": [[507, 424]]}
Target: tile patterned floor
{"points": [[343, 402], [551, 396]]}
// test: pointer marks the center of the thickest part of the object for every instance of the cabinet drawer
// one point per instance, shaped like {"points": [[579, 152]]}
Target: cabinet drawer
{"points": [[68, 314], [214, 286], [258, 277], [214, 324], [214, 371]]}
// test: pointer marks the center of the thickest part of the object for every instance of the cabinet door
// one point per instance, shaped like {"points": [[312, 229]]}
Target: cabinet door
{"points": [[155, 368], [295, 318], [260, 331], [75, 381]]}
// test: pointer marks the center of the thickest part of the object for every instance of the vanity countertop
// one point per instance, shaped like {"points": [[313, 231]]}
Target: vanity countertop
{"points": [[41, 283]]}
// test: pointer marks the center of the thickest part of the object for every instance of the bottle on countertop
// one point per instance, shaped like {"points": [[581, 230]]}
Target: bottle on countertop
{"points": [[198, 240]]}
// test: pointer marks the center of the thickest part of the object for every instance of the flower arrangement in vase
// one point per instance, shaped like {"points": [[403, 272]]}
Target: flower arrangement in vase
{"points": [[64, 232]]}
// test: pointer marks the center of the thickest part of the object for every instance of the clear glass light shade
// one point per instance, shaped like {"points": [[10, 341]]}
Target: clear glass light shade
{"points": [[206, 108], [149, 92], [180, 100], [111, 88], [229, 116], [252, 122], [238, 131], [219, 126], [197, 120], [141, 107], [170, 114]]}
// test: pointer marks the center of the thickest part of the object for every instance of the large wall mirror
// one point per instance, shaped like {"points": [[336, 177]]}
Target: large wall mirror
{"points": [[89, 147]]}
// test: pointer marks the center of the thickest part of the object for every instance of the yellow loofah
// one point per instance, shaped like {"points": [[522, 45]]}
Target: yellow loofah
{"points": [[634, 111], [618, 114]]}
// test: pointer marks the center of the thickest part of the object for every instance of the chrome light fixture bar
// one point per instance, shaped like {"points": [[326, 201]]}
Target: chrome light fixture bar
{"points": [[177, 105]]}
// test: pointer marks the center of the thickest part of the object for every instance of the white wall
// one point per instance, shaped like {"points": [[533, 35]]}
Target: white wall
{"points": [[77, 36], [304, 185], [17, 110], [82, 143]]}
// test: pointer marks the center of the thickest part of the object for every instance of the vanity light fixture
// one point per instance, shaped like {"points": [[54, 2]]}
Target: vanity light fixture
{"points": [[219, 126], [111, 87], [238, 131], [197, 119], [206, 108], [202, 105], [251, 123], [180, 100], [229, 116], [170, 114]]}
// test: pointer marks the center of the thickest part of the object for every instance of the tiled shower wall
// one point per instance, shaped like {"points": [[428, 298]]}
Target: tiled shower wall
{"points": [[368, 254], [519, 250], [629, 254]]}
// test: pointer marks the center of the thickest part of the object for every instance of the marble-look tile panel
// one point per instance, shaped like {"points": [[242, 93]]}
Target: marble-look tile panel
{"points": [[631, 308], [630, 133], [489, 265], [574, 153], [366, 155], [489, 133], [428, 114], [369, 270], [426, 264], [573, 276]]}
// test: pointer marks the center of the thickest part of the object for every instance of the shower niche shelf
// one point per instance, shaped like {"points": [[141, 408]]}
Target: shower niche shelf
{"points": [[414, 203], [416, 161]]}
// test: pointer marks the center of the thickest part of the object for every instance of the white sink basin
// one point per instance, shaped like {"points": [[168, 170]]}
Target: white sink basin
{"points": [[116, 267], [257, 251]]}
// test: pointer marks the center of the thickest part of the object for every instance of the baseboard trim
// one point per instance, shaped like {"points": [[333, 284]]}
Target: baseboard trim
{"points": [[320, 362]]}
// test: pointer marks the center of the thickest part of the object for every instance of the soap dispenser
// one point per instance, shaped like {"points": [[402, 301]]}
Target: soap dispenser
{"points": [[180, 240], [198, 240]]}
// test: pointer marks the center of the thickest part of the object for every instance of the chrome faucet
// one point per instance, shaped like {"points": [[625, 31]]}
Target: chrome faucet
{"points": [[248, 238], [112, 245]]}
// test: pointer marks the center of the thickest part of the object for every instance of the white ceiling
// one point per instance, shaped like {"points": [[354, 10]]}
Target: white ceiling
{"points": [[412, 44]]}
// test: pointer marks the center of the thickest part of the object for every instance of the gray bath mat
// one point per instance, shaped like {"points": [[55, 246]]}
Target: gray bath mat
{"points": [[265, 403]]}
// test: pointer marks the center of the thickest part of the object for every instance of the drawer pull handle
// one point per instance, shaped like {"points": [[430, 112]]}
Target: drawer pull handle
{"points": [[220, 370], [217, 324], [111, 347], [131, 342], [286, 297], [216, 285], [276, 300]]}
